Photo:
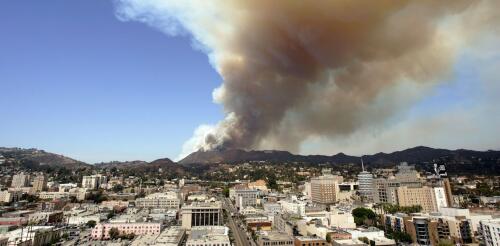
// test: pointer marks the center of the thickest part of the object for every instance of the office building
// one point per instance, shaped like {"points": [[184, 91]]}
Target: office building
{"points": [[201, 214], [365, 186], [245, 197], [324, 189], [423, 196], [169, 200]]}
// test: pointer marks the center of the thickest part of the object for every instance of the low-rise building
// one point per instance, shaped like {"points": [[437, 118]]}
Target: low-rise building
{"points": [[272, 238], [172, 236], [201, 214], [309, 241], [35, 236], [46, 217], [101, 230], [208, 236], [159, 200]]}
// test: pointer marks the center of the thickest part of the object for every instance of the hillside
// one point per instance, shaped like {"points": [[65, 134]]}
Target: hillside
{"points": [[34, 158], [420, 154]]}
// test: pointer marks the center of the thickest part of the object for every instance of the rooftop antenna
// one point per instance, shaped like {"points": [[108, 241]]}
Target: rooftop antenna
{"points": [[362, 164]]}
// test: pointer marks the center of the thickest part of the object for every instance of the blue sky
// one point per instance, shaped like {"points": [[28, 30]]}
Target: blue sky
{"points": [[75, 80]]}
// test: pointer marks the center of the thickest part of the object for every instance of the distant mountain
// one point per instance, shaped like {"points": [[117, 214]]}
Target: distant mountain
{"points": [[35, 159], [120, 164], [163, 164], [420, 154]]}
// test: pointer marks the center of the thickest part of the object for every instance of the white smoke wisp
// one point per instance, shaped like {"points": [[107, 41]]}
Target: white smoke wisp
{"points": [[294, 69]]}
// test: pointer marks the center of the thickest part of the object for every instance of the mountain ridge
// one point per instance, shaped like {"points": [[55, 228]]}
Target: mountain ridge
{"points": [[413, 155]]}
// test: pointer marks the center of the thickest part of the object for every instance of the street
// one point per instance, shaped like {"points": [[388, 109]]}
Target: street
{"points": [[241, 237]]}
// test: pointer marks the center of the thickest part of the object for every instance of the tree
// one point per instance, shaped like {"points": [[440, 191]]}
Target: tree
{"points": [[364, 240], [329, 237], [401, 237], [445, 242], [65, 236], [114, 233], [111, 214], [117, 188], [91, 223], [364, 216], [226, 192]]}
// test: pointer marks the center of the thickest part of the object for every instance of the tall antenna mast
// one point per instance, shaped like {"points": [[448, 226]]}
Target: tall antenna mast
{"points": [[362, 164]]}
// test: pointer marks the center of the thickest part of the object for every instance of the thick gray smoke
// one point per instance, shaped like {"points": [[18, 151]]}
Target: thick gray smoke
{"points": [[295, 69]]}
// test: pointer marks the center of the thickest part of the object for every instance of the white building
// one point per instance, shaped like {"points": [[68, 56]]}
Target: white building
{"points": [[208, 236], [365, 186], [244, 197], [169, 200], [37, 235], [293, 207], [201, 214], [83, 219], [94, 182], [489, 230], [341, 219]]}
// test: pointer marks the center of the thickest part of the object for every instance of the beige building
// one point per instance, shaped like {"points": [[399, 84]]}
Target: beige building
{"points": [[202, 214], [324, 189], [20, 180], [40, 183], [273, 238], [423, 196], [94, 182], [6, 196], [160, 200]]}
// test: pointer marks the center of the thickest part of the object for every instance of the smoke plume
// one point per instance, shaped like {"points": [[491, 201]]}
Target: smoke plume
{"points": [[295, 69]]}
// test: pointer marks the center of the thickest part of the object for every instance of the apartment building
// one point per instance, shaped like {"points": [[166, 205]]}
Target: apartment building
{"points": [[94, 182], [40, 183], [20, 180], [423, 196], [489, 232]]}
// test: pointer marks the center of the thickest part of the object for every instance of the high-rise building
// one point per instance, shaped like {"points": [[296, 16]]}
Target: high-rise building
{"points": [[408, 176], [40, 183], [365, 187], [324, 189], [201, 214], [94, 181], [385, 190], [423, 196], [20, 180]]}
